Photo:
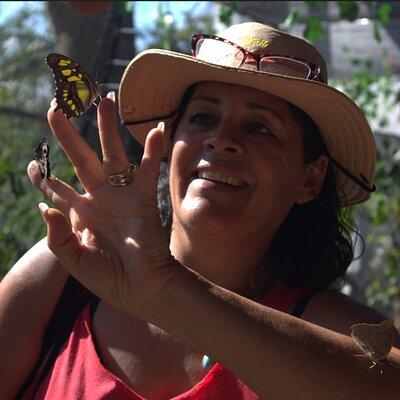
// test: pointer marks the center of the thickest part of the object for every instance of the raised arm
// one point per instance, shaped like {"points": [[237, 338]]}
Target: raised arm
{"points": [[28, 296]]}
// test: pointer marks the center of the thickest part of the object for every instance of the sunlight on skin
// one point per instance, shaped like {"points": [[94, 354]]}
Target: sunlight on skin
{"points": [[190, 204], [129, 241]]}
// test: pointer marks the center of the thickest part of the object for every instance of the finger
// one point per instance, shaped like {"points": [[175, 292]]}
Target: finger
{"points": [[62, 241], [57, 191], [114, 156], [76, 252], [88, 167], [147, 174]]}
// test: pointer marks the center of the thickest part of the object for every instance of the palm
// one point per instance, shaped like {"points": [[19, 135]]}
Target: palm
{"points": [[105, 205]]}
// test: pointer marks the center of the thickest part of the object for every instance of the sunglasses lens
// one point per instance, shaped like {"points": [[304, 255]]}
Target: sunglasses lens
{"points": [[218, 52], [285, 66]]}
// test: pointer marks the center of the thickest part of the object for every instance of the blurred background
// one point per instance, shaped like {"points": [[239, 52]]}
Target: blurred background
{"points": [[359, 39]]}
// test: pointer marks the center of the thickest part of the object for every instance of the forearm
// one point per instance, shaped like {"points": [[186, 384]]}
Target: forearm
{"points": [[28, 295], [275, 354]]}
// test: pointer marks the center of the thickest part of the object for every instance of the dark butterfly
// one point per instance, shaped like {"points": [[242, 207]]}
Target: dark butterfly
{"points": [[75, 89], [42, 157]]}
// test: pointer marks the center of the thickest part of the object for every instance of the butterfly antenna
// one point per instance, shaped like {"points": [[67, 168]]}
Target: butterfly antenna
{"points": [[101, 87], [374, 364]]}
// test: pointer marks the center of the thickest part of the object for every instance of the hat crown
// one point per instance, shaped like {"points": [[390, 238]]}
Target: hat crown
{"points": [[263, 39]]}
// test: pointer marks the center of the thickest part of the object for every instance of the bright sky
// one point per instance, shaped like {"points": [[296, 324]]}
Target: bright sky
{"points": [[7, 8], [145, 11]]}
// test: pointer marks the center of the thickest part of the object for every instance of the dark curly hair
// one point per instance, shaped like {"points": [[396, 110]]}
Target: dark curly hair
{"points": [[313, 246]]}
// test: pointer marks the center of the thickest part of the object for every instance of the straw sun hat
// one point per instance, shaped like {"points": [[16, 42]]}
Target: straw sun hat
{"points": [[155, 80]]}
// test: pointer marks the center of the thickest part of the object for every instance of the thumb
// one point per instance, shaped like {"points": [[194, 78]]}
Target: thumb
{"points": [[62, 241], [147, 173]]}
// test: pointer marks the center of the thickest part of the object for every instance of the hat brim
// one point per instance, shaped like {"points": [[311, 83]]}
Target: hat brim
{"points": [[155, 80]]}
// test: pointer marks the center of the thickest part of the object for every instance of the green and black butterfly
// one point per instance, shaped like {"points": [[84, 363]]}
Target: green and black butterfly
{"points": [[76, 91]]}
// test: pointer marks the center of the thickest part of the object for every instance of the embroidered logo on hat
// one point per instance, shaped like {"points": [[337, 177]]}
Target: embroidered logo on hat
{"points": [[248, 41]]}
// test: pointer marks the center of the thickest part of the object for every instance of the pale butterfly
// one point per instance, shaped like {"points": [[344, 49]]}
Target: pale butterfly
{"points": [[375, 340]]}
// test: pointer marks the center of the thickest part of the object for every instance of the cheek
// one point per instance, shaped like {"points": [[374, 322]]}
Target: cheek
{"points": [[280, 173], [181, 167]]}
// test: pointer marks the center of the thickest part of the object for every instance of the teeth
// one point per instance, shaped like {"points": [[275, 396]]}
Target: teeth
{"points": [[215, 176]]}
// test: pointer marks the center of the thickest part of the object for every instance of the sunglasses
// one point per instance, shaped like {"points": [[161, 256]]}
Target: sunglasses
{"points": [[217, 50]]}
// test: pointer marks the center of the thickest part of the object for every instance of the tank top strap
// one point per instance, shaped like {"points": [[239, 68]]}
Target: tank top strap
{"points": [[282, 297]]}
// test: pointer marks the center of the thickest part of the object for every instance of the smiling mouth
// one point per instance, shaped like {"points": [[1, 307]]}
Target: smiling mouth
{"points": [[220, 178]]}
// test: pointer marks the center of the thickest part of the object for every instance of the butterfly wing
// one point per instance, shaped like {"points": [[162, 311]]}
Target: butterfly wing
{"points": [[75, 89], [376, 340], [42, 156]]}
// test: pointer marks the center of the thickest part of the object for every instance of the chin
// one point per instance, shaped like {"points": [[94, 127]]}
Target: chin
{"points": [[200, 214]]}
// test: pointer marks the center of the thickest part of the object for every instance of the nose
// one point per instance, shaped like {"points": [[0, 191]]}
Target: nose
{"points": [[222, 143]]}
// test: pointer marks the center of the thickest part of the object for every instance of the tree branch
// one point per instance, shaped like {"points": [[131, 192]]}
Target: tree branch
{"points": [[13, 112]]}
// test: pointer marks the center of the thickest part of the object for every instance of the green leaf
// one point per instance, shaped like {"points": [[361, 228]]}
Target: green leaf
{"points": [[348, 10], [377, 32], [123, 7], [226, 12], [368, 63], [384, 11], [383, 121], [291, 18], [316, 3], [314, 29]]}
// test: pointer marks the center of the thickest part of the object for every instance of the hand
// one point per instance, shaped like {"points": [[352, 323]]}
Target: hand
{"points": [[109, 238]]}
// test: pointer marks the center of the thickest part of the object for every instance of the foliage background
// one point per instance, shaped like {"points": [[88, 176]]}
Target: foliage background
{"points": [[26, 89]]}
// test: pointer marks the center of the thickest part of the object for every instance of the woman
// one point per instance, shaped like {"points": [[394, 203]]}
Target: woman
{"points": [[248, 173]]}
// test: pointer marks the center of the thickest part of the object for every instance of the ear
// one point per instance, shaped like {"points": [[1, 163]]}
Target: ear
{"points": [[314, 178]]}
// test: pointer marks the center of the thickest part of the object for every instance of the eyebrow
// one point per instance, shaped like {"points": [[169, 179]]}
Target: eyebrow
{"points": [[250, 104]]}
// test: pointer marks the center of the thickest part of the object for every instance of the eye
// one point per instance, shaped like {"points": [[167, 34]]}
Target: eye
{"points": [[258, 128], [201, 119]]}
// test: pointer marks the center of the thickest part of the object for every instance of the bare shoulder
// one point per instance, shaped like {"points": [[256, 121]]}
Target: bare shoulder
{"points": [[338, 312], [33, 283], [28, 296]]}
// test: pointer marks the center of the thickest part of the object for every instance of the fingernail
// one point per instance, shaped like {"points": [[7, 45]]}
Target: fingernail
{"points": [[53, 104], [111, 95], [161, 126], [42, 208], [87, 237]]}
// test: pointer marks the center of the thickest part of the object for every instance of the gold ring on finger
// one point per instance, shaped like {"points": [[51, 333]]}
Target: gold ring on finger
{"points": [[124, 177]]}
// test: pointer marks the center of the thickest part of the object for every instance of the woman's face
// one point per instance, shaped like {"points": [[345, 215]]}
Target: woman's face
{"points": [[237, 161]]}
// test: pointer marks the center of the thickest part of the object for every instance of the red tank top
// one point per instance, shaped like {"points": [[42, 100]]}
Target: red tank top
{"points": [[78, 373]]}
